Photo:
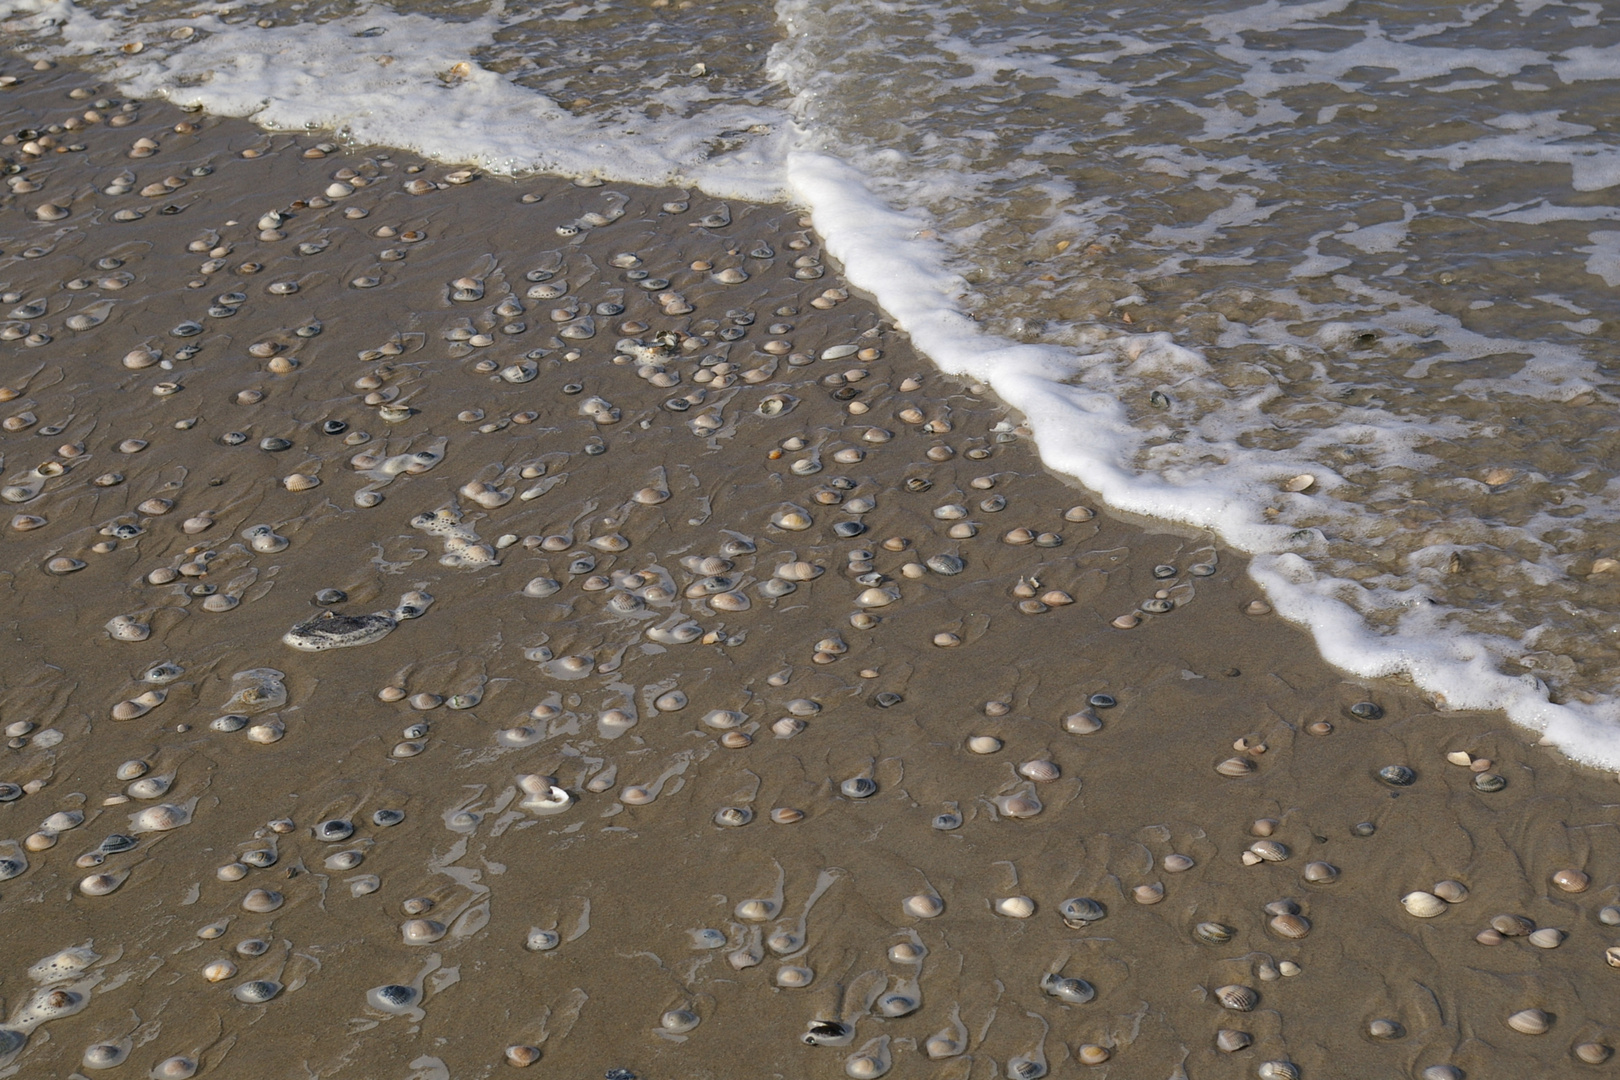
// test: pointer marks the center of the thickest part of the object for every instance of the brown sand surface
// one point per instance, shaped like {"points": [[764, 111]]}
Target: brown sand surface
{"points": [[525, 478]]}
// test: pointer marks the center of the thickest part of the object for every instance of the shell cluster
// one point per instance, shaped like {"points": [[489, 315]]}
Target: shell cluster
{"points": [[572, 581]]}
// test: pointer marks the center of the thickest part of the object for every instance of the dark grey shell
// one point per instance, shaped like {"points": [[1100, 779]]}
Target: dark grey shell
{"points": [[329, 630]]}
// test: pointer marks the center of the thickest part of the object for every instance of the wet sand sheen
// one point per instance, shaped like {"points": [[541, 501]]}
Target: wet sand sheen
{"points": [[678, 676]]}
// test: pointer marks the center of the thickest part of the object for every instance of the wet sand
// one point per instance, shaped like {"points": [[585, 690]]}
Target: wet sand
{"points": [[558, 515]]}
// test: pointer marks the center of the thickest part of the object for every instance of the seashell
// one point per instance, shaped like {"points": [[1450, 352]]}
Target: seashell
{"points": [[1385, 1029], [62, 821], [333, 830], [1232, 1041], [1489, 782], [1014, 907], [943, 1045], [923, 906], [1040, 770], [983, 744], [1320, 873], [1074, 991], [393, 997], [1424, 905], [160, 818], [1593, 1053], [792, 976], [1397, 775], [724, 719], [178, 1067], [539, 940], [261, 901], [1237, 998], [896, 1005], [1213, 933], [101, 884], [1572, 881], [679, 1021], [1452, 892], [1546, 938], [1083, 722], [1148, 894], [1269, 850], [1018, 806], [1177, 863], [256, 992], [798, 571], [219, 970], [99, 1056], [1235, 766], [733, 816], [876, 598], [1530, 1022], [787, 815], [1609, 915], [858, 787], [635, 795], [1291, 926], [1278, 1070], [421, 931], [1080, 911], [756, 910], [1512, 925]]}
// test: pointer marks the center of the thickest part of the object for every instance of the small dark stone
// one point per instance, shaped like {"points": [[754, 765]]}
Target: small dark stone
{"points": [[619, 1074], [333, 427]]}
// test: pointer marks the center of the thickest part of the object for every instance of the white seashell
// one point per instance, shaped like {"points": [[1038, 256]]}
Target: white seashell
{"points": [[1015, 907], [876, 598], [983, 744], [1040, 770], [923, 906], [798, 571], [1530, 1022], [160, 818], [219, 971], [1424, 905]]}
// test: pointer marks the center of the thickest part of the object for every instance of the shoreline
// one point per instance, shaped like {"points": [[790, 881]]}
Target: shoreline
{"points": [[533, 665]]}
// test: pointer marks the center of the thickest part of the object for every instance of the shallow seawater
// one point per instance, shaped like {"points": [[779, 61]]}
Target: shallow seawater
{"points": [[1368, 244]]}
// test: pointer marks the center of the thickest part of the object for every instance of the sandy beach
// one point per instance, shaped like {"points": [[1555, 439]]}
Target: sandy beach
{"points": [[712, 688]]}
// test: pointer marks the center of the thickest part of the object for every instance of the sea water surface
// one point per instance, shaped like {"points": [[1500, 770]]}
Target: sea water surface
{"points": [[1333, 280]]}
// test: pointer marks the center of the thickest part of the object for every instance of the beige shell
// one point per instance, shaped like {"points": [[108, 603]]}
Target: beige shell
{"points": [[1234, 766], [1237, 998], [1040, 770], [1452, 892], [1530, 1022], [1320, 873], [1572, 881], [1291, 926], [798, 571], [1148, 894], [983, 744], [261, 901], [1546, 938]]}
